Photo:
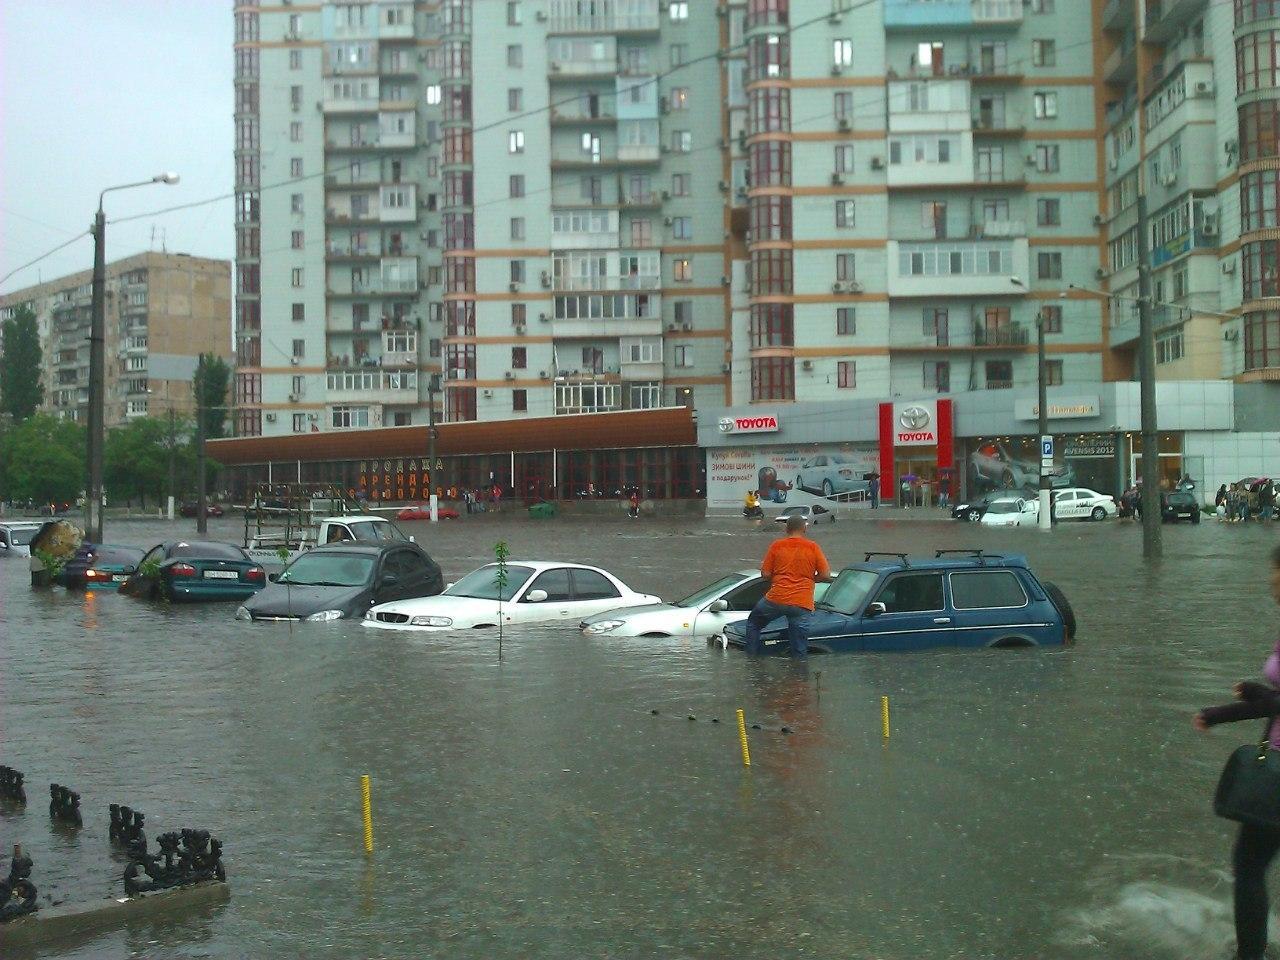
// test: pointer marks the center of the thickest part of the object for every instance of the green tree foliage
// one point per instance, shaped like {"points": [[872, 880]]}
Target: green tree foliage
{"points": [[211, 382], [137, 460], [20, 361], [42, 459]]}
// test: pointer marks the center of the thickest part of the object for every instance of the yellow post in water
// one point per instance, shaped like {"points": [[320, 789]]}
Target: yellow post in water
{"points": [[884, 716], [368, 814], [742, 737]]}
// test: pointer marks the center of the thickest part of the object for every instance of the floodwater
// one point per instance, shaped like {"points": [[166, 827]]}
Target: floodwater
{"points": [[1029, 804]]}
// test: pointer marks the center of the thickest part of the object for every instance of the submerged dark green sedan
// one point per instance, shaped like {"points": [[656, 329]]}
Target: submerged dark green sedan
{"points": [[195, 570]]}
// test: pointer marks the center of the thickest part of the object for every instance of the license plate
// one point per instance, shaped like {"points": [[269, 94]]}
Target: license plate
{"points": [[221, 575], [119, 577]]}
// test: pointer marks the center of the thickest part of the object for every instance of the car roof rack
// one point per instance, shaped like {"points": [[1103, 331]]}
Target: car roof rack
{"points": [[886, 553], [980, 555]]}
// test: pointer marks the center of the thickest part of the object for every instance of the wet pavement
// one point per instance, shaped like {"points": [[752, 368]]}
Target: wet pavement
{"points": [[1029, 804]]}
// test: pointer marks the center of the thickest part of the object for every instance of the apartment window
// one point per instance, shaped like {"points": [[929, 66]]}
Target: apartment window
{"points": [[773, 378], [846, 321], [516, 185], [295, 59], [844, 213], [1044, 104], [295, 97], [682, 228], [515, 141], [520, 401], [295, 167], [680, 184], [1258, 60], [682, 269], [295, 240], [679, 54], [681, 141], [684, 356], [515, 13], [517, 271], [433, 94], [295, 131], [1049, 212], [1051, 318], [299, 312], [519, 358], [519, 314], [1049, 266], [845, 266], [844, 158], [936, 322], [299, 385], [842, 52], [937, 376], [299, 349], [296, 276], [1047, 157], [517, 228], [515, 99], [515, 55], [679, 98], [1043, 53], [933, 218], [682, 311], [299, 423], [999, 374], [843, 106], [343, 416], [641, 232], [1261, 340], [678, 10], [1259, 129], [1042, 6], [846, 374], [1053, 373]]}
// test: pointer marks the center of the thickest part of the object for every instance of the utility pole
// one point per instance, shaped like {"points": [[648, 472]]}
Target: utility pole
{"points": [[173, 466], [202, 518], [97, 379], [433, 387], [1152, 535], [1046, 439]]}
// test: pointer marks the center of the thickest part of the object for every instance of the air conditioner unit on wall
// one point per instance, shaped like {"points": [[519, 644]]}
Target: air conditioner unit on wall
{"points": [[270, 418]]}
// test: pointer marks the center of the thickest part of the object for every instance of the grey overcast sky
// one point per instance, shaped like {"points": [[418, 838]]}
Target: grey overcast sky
{"points": [[94, 93]]}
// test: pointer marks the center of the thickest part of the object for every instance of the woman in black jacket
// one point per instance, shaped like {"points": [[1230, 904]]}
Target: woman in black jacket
{"points": [[1255, 846]]}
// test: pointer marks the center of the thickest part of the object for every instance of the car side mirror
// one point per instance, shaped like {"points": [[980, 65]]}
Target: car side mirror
{"points": [[536, 596], [718, 606], [273, 577], [389, 580], [875, 609], [448, 585]]}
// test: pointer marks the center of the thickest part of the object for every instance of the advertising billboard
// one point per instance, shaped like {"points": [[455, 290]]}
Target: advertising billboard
{"points": [[809, 473]]}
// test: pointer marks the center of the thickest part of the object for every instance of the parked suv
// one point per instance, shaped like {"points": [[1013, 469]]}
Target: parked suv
{"points": [[959, 598], [1178, 505]]}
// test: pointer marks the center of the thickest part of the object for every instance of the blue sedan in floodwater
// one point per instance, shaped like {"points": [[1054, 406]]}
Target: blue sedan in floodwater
{"points": [[964, 598], [195, 570]]}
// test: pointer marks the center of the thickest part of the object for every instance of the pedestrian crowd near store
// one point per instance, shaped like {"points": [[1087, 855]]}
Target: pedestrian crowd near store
{"points": [[1253, 498]]}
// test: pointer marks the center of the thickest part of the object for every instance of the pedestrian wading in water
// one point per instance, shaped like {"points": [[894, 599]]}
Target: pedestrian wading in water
{"points": [[1249, 793]]}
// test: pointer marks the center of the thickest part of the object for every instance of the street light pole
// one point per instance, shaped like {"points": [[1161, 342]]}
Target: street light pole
{"points": [[173, 465], [1046, 440], [202, 517], [433, 387], [1152, 535], [97, 361]]}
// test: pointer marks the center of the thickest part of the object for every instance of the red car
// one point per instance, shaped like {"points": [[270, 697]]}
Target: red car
{"points": [[423, 512], [191, 508]]}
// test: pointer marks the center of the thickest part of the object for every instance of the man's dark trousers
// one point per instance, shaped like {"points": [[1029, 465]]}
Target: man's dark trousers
{"points": [[766, 611]]}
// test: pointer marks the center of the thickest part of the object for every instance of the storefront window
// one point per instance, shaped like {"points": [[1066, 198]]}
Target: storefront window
{"points": [[1013, 463]]}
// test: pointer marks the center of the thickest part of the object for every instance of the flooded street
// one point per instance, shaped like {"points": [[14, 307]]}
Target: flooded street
{"points": [[1029, 804]]}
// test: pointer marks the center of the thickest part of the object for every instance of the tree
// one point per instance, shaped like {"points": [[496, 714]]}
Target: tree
{"points": [[43, 460], [213, 377], [20, 361], [137, 459]]}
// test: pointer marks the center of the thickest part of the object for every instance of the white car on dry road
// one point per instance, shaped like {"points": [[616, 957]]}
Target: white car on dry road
{"points": [[702, 614], [536, 591]]}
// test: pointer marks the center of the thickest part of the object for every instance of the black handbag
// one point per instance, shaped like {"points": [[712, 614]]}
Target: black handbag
{"points": [[1249, 788]]}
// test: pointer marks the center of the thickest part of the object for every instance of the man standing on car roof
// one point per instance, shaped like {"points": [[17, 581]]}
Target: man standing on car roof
{"points": [[792, 565]]}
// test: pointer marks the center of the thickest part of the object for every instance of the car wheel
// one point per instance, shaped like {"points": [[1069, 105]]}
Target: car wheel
{"points": [[1099, 513], [827, 489], [1064, 607], [1006, 478], [1012, 643]]}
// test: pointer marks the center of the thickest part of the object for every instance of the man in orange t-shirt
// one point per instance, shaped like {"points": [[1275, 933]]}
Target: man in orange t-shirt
{"points": [[793, 565]]}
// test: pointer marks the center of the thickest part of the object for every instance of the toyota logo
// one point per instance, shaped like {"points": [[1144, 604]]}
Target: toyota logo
{"points": [[914, 418], [726, 424]]}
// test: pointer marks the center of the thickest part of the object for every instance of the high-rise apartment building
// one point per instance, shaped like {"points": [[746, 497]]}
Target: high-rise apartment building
{"points": [[565, 206], [162, 311]]}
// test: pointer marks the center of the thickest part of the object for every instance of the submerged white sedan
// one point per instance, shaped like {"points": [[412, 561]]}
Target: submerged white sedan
{"points": [[536, 591], [702, 614]]}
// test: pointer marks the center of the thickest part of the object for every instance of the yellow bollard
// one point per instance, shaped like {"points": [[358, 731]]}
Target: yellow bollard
{"points": [[742, 737], [884, 716], [368, 814]]}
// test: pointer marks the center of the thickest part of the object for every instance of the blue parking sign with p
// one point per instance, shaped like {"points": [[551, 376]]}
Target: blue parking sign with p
{"points": [[1046, 447]]}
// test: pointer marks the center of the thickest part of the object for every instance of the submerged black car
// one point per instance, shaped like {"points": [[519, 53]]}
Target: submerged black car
{"points": [[343, 580], [1178, 505]]}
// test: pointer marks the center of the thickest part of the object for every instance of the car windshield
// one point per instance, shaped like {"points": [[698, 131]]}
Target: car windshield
{"points": [[329, 570], [482, 584], [206, 551], [22, 535], [848, 592], [373, 530], [1003, 506], [708, 593]]}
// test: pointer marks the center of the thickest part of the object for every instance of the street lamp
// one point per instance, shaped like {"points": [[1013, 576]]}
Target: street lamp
{"points": [[97, 358], [433, 388], [1045, 520]]}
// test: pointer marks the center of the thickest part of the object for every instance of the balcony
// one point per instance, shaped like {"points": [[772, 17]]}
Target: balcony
{"points": [[604, 16], [372, 384], [1117, 16], [344, 250], [956, 267], [1013, 335], [350, 96], [997, 13], [565, 115], [570, 58], [397, 129], [908, 14], [989, 126], [639, 153], [1166, 18], [641, 201], [1000, 229], [614, 282], [641, 369], [395, 21], [1121, 67]]}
